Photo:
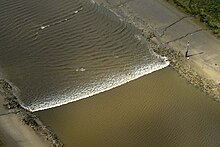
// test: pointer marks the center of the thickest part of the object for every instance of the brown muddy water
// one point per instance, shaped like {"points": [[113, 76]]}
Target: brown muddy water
{"points": [[159, 109], [1, 144], [57, 51], [54, 52]]}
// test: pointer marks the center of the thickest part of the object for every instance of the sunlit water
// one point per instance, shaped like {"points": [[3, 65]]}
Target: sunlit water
{"points": [[57, 51], [159, 109]]}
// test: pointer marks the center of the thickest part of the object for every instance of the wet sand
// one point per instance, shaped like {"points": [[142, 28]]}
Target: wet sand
{"points": [[13, 132], [19, 127]]}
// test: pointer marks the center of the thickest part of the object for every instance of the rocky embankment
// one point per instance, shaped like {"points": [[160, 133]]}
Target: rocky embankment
{"points": [[177, 60], [28, 118], [179, 63]]}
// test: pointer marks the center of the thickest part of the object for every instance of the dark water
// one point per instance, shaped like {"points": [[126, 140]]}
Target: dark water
{"points": [[159, 109], [58, 51]]}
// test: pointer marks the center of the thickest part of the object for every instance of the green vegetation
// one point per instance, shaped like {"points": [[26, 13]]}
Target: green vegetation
{"points": [[208, 11]]}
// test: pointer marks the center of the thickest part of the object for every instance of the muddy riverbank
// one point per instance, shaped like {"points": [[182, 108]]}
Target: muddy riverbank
{"points": [[28, 119]]}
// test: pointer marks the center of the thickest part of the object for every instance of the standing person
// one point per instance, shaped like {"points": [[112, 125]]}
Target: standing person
{"points": [[187, 49]]}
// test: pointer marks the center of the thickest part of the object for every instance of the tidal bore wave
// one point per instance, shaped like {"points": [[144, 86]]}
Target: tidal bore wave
{"points": [[54, 52]]}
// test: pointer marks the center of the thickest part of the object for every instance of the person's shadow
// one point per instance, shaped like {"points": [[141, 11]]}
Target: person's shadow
{"points": [[195, 54]]}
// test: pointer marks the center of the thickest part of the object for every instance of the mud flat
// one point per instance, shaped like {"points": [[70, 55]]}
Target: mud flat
{"points": [[21, 127]]}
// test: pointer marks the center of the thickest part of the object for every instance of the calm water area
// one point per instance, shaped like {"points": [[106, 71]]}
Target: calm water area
{"points": [[159, 109]]}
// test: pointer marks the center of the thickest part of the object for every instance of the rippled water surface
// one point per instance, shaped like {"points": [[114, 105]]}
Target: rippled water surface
{"points": [[57, 51]]}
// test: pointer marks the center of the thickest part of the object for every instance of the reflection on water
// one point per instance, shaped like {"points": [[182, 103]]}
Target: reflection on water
{"points": [[159, 109]]}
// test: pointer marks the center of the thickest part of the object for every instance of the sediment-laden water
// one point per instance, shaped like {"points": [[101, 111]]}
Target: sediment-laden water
{"points": [[58, 51], [157, 110]]}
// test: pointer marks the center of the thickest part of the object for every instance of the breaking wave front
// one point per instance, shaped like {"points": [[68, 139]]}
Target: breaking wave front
{"points": [[55, 52]]}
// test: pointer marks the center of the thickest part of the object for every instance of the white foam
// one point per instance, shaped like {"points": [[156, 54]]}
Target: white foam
{"points": [[92, 1], [42, 27], [59, 21], [139, 37], [81, 69], [96, 88]]}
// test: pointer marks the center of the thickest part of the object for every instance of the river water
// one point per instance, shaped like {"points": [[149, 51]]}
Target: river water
{"points": [[159, 109], [54, 52]]}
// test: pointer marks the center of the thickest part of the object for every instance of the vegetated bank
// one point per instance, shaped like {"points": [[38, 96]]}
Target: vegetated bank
{"points": [[207, 11]]}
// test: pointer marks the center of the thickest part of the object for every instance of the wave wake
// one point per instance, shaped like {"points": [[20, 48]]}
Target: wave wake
{"points": [[99, 87], [55, 52]]}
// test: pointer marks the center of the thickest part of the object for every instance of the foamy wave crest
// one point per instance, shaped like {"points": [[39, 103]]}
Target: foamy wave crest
{"points": [[100, 86], [68, 51]]}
